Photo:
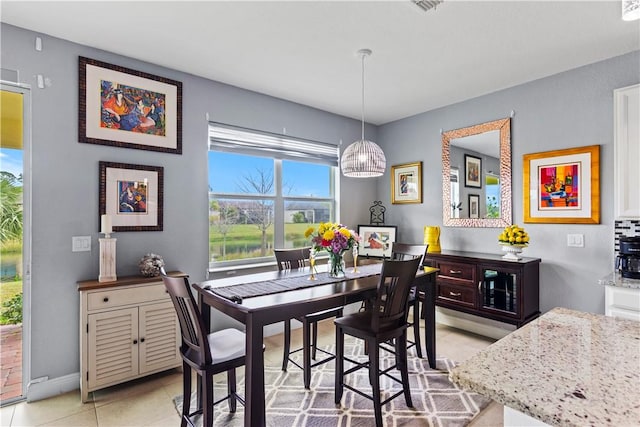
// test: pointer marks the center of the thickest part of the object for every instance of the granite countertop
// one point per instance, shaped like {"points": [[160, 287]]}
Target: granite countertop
{"points": [[616, 279], [565, 368]]}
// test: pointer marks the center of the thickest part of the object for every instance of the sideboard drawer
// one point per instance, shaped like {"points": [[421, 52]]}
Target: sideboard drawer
{"points": [[457, 272], [461, 295], [114, 297]]}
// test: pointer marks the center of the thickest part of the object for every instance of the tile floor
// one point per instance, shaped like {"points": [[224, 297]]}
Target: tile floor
{"points": [[148, 401]]}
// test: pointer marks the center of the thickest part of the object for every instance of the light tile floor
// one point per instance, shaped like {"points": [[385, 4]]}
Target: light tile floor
{"points": [[148, 401]]}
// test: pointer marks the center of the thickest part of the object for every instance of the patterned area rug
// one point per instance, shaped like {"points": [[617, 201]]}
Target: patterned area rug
{"points": [[436, 400]]}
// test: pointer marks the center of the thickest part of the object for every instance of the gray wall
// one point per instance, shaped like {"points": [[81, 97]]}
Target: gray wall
{"points": [[571, 109], [65, 181]]}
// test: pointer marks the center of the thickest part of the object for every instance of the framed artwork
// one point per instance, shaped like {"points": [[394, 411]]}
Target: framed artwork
{"points": [[474, 206], [122, 107], [132, 196], [562, 186], [472, 171], [376, 240], [406, 183]]}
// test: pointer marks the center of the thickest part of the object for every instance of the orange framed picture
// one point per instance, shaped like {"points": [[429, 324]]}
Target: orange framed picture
{"points": [[562, 186]]}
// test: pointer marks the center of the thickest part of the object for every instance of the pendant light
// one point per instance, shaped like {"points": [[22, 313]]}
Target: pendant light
{"points": [[363, 158]]}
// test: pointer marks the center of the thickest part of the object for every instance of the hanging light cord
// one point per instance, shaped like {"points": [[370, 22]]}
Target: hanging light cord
{"points": [[362, 107]]}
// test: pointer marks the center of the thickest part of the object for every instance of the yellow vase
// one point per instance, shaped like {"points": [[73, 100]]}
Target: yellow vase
{"points": [[432, 238]]}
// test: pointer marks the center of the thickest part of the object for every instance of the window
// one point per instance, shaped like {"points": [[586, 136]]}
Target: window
{"points": [[265, 190]]}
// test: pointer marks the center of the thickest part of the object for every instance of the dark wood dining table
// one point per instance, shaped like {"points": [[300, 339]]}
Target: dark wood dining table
{"points": [[257, 312]]}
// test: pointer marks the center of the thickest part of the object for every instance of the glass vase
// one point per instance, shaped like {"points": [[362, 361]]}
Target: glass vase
{"points": [[336, 265]]}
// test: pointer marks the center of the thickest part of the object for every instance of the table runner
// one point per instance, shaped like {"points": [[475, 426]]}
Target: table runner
{"points": [[290, 283]]}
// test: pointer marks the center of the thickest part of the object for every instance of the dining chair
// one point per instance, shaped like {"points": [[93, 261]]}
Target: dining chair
{"points": [[386, 320], [403, 251], [293, 259], [206, 354]]}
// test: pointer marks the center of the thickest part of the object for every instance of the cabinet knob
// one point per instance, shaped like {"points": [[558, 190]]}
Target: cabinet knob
{"points": [[105, 299], [141, 340], [454, 294], [135, 341], [455, 271]]}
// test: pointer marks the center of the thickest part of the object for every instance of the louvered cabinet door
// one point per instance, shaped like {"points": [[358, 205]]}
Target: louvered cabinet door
{"points": [[159, 337], [112, 347]]}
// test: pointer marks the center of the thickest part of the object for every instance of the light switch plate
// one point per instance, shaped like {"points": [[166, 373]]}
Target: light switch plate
{"points": [[575, 240], [81, 244]]}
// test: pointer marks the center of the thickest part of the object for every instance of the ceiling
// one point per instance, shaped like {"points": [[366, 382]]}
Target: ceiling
{"points": [[305, 51]]}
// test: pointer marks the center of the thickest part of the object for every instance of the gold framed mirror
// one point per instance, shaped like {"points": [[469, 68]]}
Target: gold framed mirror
{"points": [[476, 175]]}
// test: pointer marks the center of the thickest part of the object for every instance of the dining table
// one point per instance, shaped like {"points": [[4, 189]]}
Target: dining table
{"points": [[262, 299]]}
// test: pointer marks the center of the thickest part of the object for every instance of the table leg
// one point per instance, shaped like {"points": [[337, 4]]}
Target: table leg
{"points": [[254, 376], [205, 313], [430, 322]]}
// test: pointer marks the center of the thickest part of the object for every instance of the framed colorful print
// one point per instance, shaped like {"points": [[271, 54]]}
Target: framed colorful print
{"points": [[472, 171], [562, 186], [126, 108], [376, 240], [132, 195], [474, 206], [406, 183]]}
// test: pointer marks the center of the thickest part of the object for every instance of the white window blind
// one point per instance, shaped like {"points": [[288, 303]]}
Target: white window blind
{"points": [[224, 137]]}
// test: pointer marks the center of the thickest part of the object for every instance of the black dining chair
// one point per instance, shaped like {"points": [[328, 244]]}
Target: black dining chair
{"points": [[385, 321], [404, 251], [293, 259], [206, 354]]}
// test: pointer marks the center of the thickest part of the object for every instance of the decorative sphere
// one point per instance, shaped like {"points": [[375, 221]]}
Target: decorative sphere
{"points": [[151, 265]]}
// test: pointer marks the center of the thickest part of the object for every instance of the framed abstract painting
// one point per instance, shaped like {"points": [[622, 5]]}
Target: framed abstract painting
{"points": [[122, 107], [562, 186]]}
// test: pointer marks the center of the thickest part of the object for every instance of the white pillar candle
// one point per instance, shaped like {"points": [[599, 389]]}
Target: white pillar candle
{"points": [[105, 224]]}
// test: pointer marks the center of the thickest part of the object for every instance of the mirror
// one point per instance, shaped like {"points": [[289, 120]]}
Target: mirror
{"points": [[476, 175]]}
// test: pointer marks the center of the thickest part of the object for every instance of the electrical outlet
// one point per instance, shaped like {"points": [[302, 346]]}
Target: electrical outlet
{"points": [[575, 240], [81, 244]]}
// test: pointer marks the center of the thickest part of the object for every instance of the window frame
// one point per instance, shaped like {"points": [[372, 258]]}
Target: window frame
{"points": [[278, 199]]}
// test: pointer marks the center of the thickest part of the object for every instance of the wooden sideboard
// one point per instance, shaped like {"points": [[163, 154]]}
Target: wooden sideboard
{"points": [[128, 329], [488, 286]]}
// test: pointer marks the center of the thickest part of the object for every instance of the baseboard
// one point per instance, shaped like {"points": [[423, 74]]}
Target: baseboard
{"points": [[477, 325], [53, 387]]}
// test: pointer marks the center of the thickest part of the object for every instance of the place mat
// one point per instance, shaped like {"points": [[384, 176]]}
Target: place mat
{"points": [[291, 283]]}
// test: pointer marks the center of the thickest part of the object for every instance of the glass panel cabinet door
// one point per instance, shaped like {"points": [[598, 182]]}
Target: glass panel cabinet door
{"points": [[499, 291]]}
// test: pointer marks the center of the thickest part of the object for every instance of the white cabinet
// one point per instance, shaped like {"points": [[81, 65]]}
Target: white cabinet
{"points": [[622, 302], [128, 329], [626, 111]]}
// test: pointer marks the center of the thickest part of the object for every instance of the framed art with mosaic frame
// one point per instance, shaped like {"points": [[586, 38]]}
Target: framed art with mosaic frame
{"points": [[122, 107]]}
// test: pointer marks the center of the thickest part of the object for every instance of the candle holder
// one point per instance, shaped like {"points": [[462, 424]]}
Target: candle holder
{"points": [[355, 258], [107, 259], [312, 264]]}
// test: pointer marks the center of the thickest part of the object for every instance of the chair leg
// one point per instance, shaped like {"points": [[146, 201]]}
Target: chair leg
{"points": [[287, 344], [416, 327], [339, 382], [231, 389], [186, 393], [306, 353], [207, 398], [374, 379], [402, 366], [314, 341]]}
